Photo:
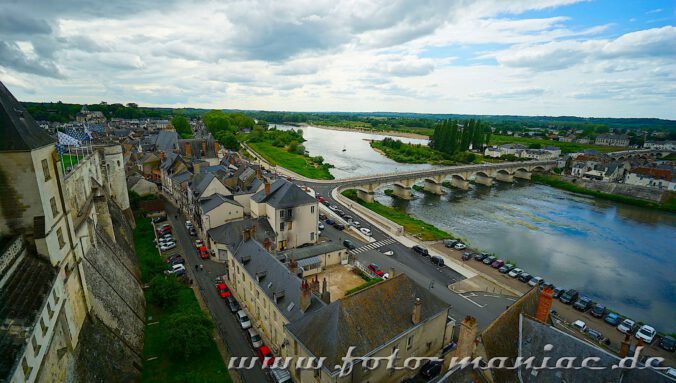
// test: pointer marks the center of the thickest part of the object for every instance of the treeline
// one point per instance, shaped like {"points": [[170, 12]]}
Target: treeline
{"points": [[224, 126], [62, 112], [452, 137]]}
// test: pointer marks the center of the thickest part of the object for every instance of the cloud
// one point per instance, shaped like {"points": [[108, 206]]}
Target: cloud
{"points": [[12, 56]]}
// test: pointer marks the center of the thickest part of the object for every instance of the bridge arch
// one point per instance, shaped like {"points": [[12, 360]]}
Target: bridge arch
{"points": [[504, 172], [481, 174], [539, 169]]}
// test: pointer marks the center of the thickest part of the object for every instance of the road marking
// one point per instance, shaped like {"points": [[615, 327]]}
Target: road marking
{"points": [[373, 246], [471, 300]]}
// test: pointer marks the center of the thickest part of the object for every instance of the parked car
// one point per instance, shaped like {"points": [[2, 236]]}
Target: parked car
{"points": [[421, 250], [569, 296], [460, 246], [480, 256], [159, 219], [489, 260], [506, 268], [450, 243], [437, 260], [203, 252], [498, 263], [175, 259], [580, 325], [243, 319], [583, 304], [536, 281], [177, 270], [347, 243], [188, 225], [375, 269], [339, 226], [333, 207], [627, 326], [430, 369], [557, 292], [329, 221], [223, 290], [322, 216], [320, 226], [265, 355], [355, 224], [515, 272], [365, 231], [612, 319], [387, 251], [255, 338], [198, 243], [466, 256], [596, 335], [192, 232], [598, 310], [164, 240], [233, 305], [340, 213], [167, 246], [646, 333], [525, 277], [668, 343]]}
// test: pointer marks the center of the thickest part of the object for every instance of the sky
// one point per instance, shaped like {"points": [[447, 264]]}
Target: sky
{"points": [[595, 58]]}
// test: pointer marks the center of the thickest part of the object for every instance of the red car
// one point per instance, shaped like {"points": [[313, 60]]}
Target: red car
{"points": [[376, 269], [223, 290], [164, 230], [263, 353], [204, 254]]}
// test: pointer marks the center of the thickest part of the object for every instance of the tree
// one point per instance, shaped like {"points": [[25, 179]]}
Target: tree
{"points": [[228, 140], [163, 290], [182, 126], [534, 145], [189, 333]]}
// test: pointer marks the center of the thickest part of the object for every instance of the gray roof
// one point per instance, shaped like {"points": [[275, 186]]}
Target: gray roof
{"points": [[200, 182], [277, 277], [166, 140], [311, 251], [215, 200], [169, 160], [283, 194], [230, 234], [533, 336], [366, 320], [18, 130], [182, 177]]}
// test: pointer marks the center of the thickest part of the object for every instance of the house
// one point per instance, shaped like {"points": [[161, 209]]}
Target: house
{"points": [[539, 154], [224, 239], [206, 149], [652, 177], [312, 260], [141, 186], [203, 185], [506, 149], [149, 166], [393, 315], [568, 138], [583, 140], [179, 189], [170, 165], [660, 145], [216, 210], [612, 140], [291, 212]]}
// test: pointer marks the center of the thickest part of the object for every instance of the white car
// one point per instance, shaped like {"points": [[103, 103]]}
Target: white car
{"points": [[176, 269], [167, 246], [166, 239], [646, 333], [535, 281], [243, 319], [388, 252], [333, 207], [460, 246], [365, 230], [355, 223], [188, 225], [320, 226], [515, 273], [627, 326], [580, 325]]}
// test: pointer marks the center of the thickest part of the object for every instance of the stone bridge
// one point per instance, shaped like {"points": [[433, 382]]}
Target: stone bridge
{"points": [[456, 176], [642, 153]]}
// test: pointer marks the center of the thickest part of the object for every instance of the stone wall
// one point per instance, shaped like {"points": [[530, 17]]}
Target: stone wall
{"points": [[633, 191]]}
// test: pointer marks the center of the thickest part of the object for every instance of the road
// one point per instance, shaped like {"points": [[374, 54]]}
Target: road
{"points": [[229, 329]]}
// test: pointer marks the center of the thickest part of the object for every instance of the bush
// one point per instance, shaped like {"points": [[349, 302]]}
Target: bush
{"points": [[163, 291], [189, 333]]}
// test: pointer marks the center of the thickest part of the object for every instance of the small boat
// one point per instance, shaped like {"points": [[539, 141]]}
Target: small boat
{"points": [[344, 148]]}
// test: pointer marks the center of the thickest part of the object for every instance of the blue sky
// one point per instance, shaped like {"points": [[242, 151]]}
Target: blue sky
{"points": [[529, 57]]}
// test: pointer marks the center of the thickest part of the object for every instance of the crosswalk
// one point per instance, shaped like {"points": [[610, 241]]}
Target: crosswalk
{"points": [[373, 246]]}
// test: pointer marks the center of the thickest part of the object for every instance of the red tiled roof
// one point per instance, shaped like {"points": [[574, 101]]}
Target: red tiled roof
{"points": [[660, 174]]}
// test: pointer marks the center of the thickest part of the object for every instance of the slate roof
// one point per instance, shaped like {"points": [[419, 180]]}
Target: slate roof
{"points": [[366, 320], [182, 177], [311, 251], [230, 234], [283, 194], [169, 160], [215, 200], [18, 130], [166, 140], [200, 182], [277, 278]]}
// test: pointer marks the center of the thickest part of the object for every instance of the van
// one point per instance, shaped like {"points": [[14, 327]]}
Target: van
{"points": [[450, 243], [255, 338], [347, 243], [244, 320], [421, 250], [437, 260], [569, 296]]}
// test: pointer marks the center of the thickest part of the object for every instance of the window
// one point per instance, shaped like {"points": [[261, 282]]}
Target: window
{"points": [[312, 209], [409, 342], [26, 368], [55, 210], [59, 235], [45, 170], [281, 226], [312, 236], [281, 214]]}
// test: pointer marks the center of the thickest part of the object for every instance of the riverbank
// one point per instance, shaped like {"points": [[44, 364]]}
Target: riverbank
{"points": [[405, 153], [297, 163], [557, 182], [566, 147], [413, 226], [394, 133]]}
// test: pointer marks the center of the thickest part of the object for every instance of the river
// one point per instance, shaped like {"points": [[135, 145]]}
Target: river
{"points": [[620, 255]]}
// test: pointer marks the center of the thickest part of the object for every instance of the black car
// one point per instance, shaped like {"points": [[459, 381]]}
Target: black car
{"points": [[340, 213], [569, 296], [668, 343], [506, 268], [596, 335], [421, 250], [347, 243], [557, 292], [598, 311], [450, 243], [430, 369], [489, 260], [437, 260], [233, 305], [525, 277], [480, 256], [339, 226], [322, 216], [159, 219], [466, 256], [583, 304]]}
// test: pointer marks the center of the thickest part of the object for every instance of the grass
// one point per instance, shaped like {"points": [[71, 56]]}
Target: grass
{"points": [[296, 163], [413, 226], [364, 285], [165, 366], [566, 147], [69, 160], [556, 182]]}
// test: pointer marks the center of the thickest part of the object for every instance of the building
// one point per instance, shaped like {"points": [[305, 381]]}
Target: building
{"points": [[657, 178], [313, 260], [216, 210], [201, 186], [612, 140], [660, 145], [291, 212]]}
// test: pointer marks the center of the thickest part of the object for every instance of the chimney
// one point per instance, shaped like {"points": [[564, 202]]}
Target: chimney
{"points": [[391, 273], [293, 266], [188, 149], [326, 295], [417, 311], [267, 244], [253, 231], [216, 149], [467, 337], [267, 187], [544, 304], [624, 346], [162, 156], [204, 148], [246, 234], [314, 286], [305, 296]]}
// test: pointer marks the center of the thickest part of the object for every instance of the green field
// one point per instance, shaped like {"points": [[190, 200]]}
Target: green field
{"points": [[566, 147], [69, 160], [160, 363], [413, 226], [297, 163]]}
